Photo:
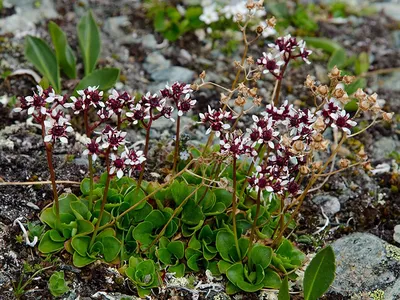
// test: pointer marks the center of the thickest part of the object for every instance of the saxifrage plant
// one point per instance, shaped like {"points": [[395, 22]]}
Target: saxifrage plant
{"points": [[225, 207]]}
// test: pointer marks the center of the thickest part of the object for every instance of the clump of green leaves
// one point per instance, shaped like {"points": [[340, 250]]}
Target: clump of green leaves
{"points": [[172, 23], [50, 63], [57, 284]]}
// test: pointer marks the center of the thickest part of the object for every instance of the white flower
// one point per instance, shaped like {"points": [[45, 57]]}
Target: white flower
{"points": [[184, 155]]}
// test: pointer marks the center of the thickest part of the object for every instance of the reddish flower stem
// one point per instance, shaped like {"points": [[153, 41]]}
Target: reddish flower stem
{"points": [[90, 160], [178, 124], [146, 148], [234, 208]]}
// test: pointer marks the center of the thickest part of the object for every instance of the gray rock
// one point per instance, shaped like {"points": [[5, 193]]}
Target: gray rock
{"points": [[384, 146], [113, 26], [154, 62], [26, 16], [173, 74], [396, 37], [365, 263], [330, 204], [391, 9], [149, 42]]}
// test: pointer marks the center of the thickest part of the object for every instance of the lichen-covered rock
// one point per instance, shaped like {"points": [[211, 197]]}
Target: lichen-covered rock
{"points": [[366, 264]]}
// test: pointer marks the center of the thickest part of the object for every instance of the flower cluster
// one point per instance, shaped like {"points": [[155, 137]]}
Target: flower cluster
{"points": [[57, 127], [216, 120], [128, 161], [284, 50]]}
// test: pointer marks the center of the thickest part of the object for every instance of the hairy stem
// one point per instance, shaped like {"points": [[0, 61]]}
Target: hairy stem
{"points": [[90, 160], [146, 150], [234, 207], [176, 153], [254, 226], [49, 156], [104, 200]]}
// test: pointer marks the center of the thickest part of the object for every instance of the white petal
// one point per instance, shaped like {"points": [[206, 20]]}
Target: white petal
{"points": [[120, 173], [47, 138], [63, 140]]}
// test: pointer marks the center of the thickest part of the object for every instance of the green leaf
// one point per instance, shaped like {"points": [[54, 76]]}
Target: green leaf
{"points": [[180, 191], [57, 284], [223, 266], [84, 227], [143, 233], [43, 58], [179, 270], [48, 217], [192, 213], [165, 256], [89, 42], [284, 290], [81, 244], [323, 43], [177, 248], [338, 58], [64, 54], [81, 261], [85, 186], [104, 78], [260, 255], [47, 245], [157, 218], [352, 87], [160, 23], [80, 210], [319, 274], [112, 246], [362, 63], [55, 236], [235, 275], [271, 279]]}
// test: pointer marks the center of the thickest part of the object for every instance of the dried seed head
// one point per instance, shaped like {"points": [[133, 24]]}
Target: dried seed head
{"points": [[317, 166], [202, 75], [240, 101], [250, 60], [347, 79], [239, 17], [344, 99], [334, 73], [364, 105], [257, 100], [367, 166], [260, 4], [257, 75], [387, 116], [298, 147], [271, 22], [338, 93], [309, 82], [194, 87], [304, 170], [253, 92], [323, 90], [250, 4], [286, 141], [319, 124], [224, 98], [372, 98], [376, 108], [344, 163], [318, 137], [237, 64], [259, 29], [361, 154], [359, 94]]}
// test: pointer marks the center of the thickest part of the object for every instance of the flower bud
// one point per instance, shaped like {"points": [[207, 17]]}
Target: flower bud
{"points": [[253, 92], [367, 166], [304, 170], [376, 108], [257, 101], [361, 154], [344, 163], [347, 79], [387, 116], [323, 90]]}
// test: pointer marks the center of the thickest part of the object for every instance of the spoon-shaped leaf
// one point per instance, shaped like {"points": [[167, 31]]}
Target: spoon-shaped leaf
{"points": [[319, 274], [43, 58], [89, 42], [64, 54]]}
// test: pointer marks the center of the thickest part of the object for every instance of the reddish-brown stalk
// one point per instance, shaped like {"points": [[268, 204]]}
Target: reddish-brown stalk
{"points": [[176, 152]]}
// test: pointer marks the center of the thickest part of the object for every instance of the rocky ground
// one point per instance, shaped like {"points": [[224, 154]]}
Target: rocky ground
{"points": [[356, 212]]}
